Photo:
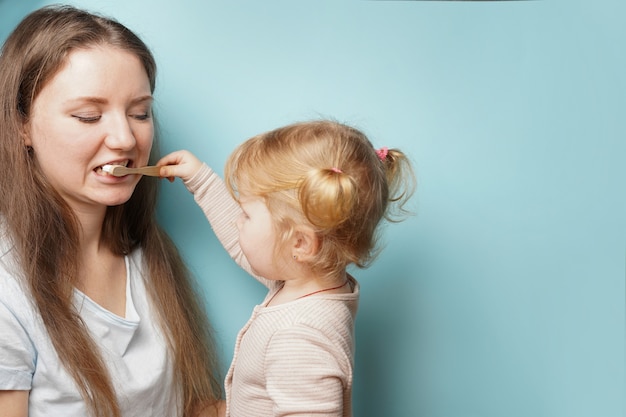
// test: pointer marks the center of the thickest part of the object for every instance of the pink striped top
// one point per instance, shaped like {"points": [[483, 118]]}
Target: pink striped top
{"points": [[292, 359]]}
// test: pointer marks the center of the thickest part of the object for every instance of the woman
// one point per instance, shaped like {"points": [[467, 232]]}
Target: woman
{"points": [[97, 313]]}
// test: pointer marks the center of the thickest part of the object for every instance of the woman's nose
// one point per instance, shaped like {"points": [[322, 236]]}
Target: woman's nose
{"points": [[120, 134]]}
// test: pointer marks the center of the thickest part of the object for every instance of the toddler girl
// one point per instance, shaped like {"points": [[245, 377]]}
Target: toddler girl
{"points": [[298, 206]]}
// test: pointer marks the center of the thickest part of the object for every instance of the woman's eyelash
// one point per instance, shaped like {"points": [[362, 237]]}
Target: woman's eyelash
{"points": [[144, 116], [93, 119], [87, 119]]}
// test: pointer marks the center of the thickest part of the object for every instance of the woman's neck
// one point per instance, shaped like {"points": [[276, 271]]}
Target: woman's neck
{"points": [[90, 223], [102, 274]]}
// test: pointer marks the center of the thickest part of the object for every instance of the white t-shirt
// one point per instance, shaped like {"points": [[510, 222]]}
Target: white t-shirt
{"points": [[133, 348]]}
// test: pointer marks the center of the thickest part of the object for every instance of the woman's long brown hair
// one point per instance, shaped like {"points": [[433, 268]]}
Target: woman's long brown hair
{"points": [[44, 229]]}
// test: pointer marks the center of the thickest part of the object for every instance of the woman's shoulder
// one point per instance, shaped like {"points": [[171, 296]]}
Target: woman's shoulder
{"points": [[136, 256], [13, 293], [9, 268], [6, 242]]}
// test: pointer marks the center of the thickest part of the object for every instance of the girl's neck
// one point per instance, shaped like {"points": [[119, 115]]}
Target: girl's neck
{"points": [[295, 289]]}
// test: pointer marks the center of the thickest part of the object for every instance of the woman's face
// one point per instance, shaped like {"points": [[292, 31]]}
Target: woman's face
{"points": [[96, 110]]}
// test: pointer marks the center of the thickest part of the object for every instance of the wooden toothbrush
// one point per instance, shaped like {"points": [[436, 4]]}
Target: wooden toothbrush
{"points": [[120, 171]]}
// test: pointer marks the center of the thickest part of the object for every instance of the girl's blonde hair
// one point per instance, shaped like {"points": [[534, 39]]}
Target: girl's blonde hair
{"points": [[45, 230], [329, 176]]}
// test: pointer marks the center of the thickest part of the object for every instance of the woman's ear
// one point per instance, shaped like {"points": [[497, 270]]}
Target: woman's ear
{"points": [[305, 243], [25, 134]]}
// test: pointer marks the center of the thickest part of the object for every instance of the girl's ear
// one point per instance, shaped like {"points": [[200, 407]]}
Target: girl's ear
{"points": [[305, 243]]}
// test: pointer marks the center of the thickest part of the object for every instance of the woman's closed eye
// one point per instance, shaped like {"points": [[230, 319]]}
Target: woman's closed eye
{"points": [[141, 117], [87, 118], [140, 109]]}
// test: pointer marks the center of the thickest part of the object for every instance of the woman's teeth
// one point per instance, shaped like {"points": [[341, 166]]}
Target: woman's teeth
{"points": [[108, 168]]}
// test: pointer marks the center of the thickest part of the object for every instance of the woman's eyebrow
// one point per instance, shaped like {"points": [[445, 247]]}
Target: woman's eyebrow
{"points": [[88, 99], [102, 100], [142, 99]]}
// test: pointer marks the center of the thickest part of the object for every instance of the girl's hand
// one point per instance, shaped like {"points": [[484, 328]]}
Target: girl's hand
{"points": [[182, 164]]}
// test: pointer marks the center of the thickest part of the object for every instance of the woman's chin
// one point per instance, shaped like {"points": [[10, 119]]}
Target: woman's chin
{"points": [[116, 200]]}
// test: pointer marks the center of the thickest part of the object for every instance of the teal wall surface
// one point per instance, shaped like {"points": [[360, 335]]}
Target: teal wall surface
{"points": [[504, 295]]}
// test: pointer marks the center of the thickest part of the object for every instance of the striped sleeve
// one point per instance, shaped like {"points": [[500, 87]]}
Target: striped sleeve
{"points": [[222, 211]]}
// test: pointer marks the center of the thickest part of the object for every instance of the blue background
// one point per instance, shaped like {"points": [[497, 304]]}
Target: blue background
{"points": [[504, 295]]}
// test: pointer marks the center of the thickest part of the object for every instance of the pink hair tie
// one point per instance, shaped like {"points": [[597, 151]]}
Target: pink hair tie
{"points": [[382, 153], [336, 170]]}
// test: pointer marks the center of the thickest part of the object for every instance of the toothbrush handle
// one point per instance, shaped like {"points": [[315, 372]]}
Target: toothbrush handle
{"points": [[152, 171]]}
